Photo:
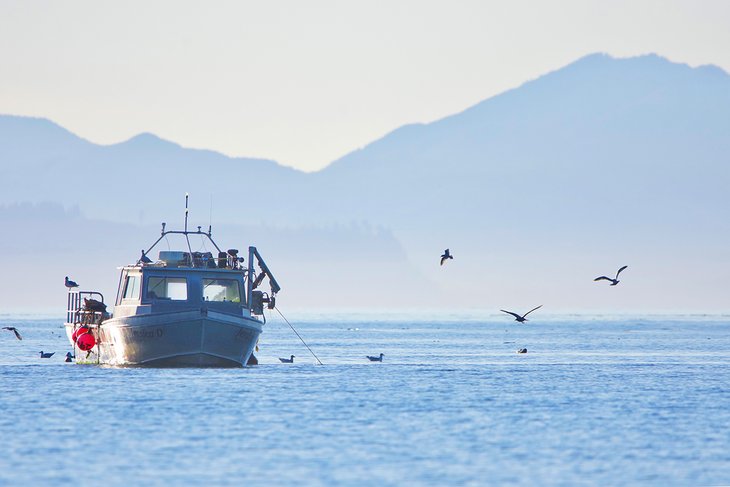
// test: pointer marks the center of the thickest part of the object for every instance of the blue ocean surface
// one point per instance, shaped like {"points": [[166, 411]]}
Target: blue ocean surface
{"points": [[597, 400]]}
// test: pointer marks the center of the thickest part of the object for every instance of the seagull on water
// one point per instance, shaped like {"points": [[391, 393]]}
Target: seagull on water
{"points": [[14, 330], [46, 355], [287, 360], [518, 318], [446, 255], [70, 284], [615, 280], [375, 359]]}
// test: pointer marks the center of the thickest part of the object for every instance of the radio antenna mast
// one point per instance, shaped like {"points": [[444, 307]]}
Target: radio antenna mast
{"points": [[187, 238]]}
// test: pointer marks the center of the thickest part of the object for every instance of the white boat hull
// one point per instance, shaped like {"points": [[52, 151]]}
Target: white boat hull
{"points": [[199, 338]]}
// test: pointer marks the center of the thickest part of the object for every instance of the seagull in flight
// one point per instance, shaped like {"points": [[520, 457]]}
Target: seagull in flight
{"points": [[14, 330], [287, 360], [70, 284], [446, 255], [518, 318], [615, 280], [375, 359]]}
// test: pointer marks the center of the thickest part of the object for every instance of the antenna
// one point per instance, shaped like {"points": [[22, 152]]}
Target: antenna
{"points": [[186, 211], [190, 249], [210, 218]]}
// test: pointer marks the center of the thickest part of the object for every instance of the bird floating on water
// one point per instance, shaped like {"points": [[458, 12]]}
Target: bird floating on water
{"points": [[287, 360], [375, 359], [613, 281], [46, 355], [518, 318], [522, 350], [446, 255], [70, 284], [14, 330], [69, 357]]}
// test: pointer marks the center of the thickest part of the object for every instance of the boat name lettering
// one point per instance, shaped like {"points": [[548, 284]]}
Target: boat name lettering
{"points": [[157, 333]]}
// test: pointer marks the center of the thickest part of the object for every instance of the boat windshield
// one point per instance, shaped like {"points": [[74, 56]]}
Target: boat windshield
{"points": [[173, 288], [221, 290], [131, 288]]}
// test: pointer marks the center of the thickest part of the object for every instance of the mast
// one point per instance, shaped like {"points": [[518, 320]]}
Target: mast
{"points": [[187, 239]]}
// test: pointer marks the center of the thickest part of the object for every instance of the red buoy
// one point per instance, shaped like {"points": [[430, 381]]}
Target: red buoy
{"points": [[85, 341], [79, 331]]}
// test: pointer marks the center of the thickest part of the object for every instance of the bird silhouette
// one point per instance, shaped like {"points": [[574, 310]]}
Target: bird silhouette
{"points": [[518, 318], [144, 259], [375, 359], [446, 255], [46, 355], [613, 281], [70, 284], [69, 357], [287, 360], [14, 330]]}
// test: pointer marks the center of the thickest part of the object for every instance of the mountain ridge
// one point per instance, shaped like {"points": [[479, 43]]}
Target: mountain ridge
{"points": [[604, 159], [589, 61]]}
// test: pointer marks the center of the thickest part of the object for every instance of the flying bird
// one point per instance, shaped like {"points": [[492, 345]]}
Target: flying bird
{"points": [[375, 359], [518, 318], [46, 355], [446, 255], [287, 360], [14, 330], [613, 281], [70, 284]]}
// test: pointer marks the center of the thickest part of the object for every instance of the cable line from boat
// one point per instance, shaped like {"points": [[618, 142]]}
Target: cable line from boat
{"points": [[300, 337]]}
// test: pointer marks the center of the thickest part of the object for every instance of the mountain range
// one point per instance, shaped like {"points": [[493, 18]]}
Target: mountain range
{"points": [[602, 163]]}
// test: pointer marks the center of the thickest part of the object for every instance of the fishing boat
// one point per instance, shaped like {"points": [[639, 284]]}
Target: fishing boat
{"points": [[186, 309]]}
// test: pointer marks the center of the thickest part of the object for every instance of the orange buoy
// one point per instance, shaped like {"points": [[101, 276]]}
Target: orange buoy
{"points": [[79, 331], [85, 341]]}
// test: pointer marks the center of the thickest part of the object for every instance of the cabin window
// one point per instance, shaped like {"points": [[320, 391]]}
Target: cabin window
{"points": [[131, 288], [221, 290], [172, 288]]}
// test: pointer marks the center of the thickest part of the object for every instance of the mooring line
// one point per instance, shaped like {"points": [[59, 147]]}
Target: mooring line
{"points": [[300, 337]]}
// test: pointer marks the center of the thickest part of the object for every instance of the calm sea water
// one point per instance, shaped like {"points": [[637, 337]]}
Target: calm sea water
{"points": [[595, 401]]}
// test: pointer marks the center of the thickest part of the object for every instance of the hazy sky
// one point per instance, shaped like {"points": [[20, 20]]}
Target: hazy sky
{"points": [[305, 82]]}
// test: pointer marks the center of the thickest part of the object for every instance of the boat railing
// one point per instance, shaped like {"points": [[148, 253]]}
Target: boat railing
{"points": [[81, 308]]}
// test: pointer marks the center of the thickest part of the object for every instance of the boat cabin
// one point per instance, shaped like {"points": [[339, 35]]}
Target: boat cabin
{"points": [[183, 281], [153, 289]]}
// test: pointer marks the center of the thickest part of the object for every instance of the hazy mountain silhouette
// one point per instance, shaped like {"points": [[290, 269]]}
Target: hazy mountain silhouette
{"points": [[605, 159], [610, 132], [143, 178]]}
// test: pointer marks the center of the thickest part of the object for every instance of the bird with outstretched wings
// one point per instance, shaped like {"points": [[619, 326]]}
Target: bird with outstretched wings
{"points": [[445, 256], [614, 280], [14, 330], [518, 318]]}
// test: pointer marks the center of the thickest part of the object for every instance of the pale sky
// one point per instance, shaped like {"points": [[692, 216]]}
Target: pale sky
{"points": [[305, 82]]}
